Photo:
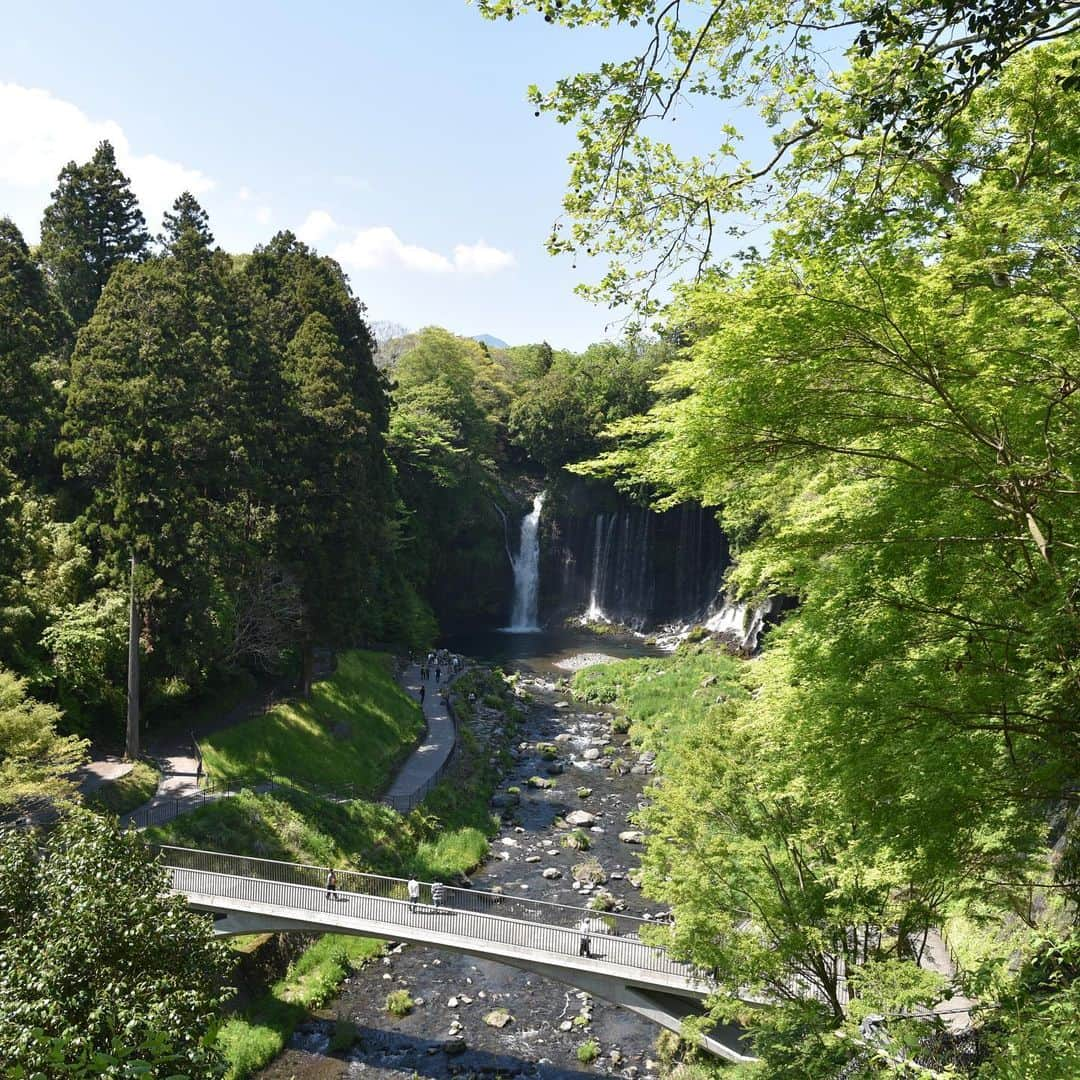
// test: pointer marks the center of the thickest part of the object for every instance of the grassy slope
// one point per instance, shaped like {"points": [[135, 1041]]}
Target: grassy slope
{"points": [[358, 725], [663, 697], [445, 838], [130, 791]]}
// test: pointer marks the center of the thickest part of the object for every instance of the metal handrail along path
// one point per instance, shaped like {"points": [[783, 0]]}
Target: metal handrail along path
{"points": [[476, 918]]}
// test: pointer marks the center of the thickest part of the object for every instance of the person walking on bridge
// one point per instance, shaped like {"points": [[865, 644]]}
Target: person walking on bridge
{"points": [[438, 894], [331, 884], [423, 693], [414, 893]]}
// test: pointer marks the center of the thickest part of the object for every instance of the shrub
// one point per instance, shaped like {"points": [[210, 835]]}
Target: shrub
{"points": [[578, 840], [588, 1052], [399, 1003]]}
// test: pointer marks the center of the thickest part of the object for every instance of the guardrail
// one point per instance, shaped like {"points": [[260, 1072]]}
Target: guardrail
{"points": [[466, 913], [392, 888]]}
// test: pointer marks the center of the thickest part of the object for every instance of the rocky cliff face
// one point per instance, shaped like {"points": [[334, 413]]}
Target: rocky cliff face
{"points": [[604, 556]]}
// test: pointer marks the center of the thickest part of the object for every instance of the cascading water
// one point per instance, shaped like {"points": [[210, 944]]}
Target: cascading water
{"points": [[740, 621], [523, 619]]}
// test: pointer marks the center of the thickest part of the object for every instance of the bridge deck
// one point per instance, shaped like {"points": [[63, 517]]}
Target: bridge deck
{"points": [[469, 921]]}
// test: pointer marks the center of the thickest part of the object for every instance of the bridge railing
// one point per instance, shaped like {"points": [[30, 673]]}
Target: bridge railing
{"points": [[301, 900], [391, 888]]}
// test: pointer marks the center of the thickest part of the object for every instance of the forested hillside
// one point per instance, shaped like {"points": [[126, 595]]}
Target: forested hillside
{"points": [[209, 432]]}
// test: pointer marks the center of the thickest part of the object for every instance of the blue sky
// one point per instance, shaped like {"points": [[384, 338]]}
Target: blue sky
{"points": [[395, 136]]}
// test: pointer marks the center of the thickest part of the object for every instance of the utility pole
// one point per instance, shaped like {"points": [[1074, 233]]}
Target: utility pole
{"points": [[133, 672]]}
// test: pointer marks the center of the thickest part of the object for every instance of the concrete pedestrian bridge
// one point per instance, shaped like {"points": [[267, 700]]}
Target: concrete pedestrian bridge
{"points": [[251, 895]]}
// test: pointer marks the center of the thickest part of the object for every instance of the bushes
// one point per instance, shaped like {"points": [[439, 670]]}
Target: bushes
{"points": [[399, 1003]]}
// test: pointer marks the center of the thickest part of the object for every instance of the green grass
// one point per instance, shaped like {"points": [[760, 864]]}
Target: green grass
{"points": [[357, 726], [128, 792], [663, 697], [443, 839], [252, 1041]]}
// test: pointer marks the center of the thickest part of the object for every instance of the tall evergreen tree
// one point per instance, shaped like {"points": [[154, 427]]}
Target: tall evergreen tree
{"points": [[186, 229], [322, 458], [155, 424], [92, 225], [31, 327]]}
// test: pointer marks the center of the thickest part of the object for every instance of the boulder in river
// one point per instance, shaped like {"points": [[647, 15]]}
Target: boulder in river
{"points": [[632, 836], [552, 873], [578, 818], [497, 1018]]}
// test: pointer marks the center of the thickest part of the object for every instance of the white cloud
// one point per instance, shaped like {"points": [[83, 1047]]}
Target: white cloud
{"points": [[263, 215], [40, 133], [481, 258], [318, 225], [380, 247], [244, 194], [373, 249]]}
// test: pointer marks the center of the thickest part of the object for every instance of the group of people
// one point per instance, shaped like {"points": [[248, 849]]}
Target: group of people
{"points": [[436, 661], [438, 891], [438, 898]]}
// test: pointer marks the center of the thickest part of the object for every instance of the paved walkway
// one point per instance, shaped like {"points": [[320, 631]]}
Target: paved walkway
{"points": [[101, 771], [415, 776], [179, 792]]}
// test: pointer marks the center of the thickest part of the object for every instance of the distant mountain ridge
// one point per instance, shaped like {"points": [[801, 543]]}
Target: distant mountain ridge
{"points": [[491, 341]]}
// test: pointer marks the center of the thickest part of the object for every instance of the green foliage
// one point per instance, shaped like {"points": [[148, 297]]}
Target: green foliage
{"points": [[843, 89], [251, 1040], [134, 958], [352, 731], [31, 330], [557, 417], [36, 761], [399, 1003], [588, 1052], [92, 226]]}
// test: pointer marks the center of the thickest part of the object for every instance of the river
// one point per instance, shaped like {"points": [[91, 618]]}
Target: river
{"points": [[550, 1021]]}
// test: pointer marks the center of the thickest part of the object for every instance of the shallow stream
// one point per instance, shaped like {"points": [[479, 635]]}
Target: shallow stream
{"points": [[550, 1021]]}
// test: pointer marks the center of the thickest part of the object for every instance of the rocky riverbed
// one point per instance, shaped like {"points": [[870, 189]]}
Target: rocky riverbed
{"points": [[573, 782]]}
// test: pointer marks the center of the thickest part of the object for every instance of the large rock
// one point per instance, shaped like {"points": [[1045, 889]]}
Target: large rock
{"points": [[592, 754], [497, 1018], [632, 836], [577, 818], [552, 873]]}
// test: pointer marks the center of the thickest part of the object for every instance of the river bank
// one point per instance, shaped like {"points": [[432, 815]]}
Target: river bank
{"points": [[554, 1031]]}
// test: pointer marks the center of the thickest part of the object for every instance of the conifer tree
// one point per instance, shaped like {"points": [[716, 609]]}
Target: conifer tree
{"points": [[31, 327], [92, 225], [186, 229]]}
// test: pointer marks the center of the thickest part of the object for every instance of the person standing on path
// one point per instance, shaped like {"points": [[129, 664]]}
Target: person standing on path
{"points": [[331, 884], [583, 946], [423, 691], [438, 672], [414, 893]]}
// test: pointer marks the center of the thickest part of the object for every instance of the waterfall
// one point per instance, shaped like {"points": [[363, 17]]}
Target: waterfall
{"points": [[741, 621], [526, 566]]}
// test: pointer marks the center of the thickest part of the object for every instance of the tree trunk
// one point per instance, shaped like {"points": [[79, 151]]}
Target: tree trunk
{"points": [[133, 673], [307, 677]]}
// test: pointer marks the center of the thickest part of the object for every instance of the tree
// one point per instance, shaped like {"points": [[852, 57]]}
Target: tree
{"points": [[99, 958], [186, 229], [92, 225], [158, 428], [36, 762], [319, 450], [31, 329], [833, 83]]}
